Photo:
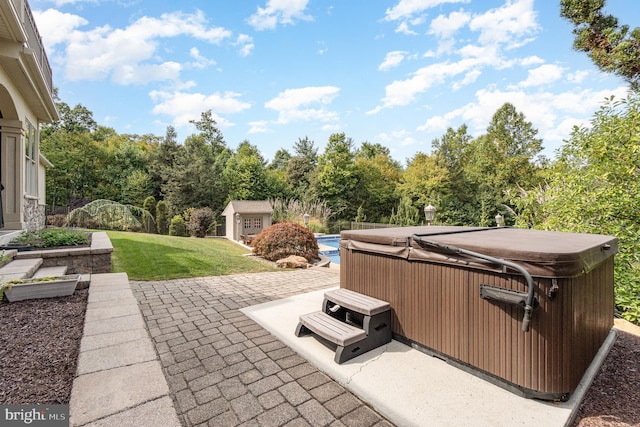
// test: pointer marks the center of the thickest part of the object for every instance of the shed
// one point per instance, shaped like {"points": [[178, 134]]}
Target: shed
{"points": [[246, 218]]}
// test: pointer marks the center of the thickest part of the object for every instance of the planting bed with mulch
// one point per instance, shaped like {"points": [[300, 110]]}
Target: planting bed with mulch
{"points": [[39, 345]]}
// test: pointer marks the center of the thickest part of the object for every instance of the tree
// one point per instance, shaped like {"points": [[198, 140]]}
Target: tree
{"points": [[162, 160], [246, 175], [161, 217], [369, 151], [377, 176], [503, 161], [197, 178], [149, 205], [300, 167], [280, 160], [77, 159], [612, 47], [407, 214], [594, 187], [336, 179], [78, 119], [422, 181], [457, 193], [209, 131]]}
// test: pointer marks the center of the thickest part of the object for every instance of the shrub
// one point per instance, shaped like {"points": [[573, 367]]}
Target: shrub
{"points": [[57, 220], [284, 239], [318, 227], [177, 226], [107, 214], [53, 237], [150, 206], [200, 222], [161, 217]]}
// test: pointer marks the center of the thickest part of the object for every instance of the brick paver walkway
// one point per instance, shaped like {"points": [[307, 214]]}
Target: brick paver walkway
{"points": [[223, 369]]}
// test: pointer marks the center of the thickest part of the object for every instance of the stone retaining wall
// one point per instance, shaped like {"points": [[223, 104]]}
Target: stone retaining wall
{"points": [[94, 259]]}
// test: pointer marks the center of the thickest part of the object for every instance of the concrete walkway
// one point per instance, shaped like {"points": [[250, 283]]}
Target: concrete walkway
{"points": [[119, 380]]}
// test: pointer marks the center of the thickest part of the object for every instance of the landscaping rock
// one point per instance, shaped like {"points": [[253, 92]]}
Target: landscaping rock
{"points": [[293, 261]]}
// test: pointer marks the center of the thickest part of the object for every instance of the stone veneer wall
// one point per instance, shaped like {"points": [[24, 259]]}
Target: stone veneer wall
{"points": [[34, 214], [96, 259]]}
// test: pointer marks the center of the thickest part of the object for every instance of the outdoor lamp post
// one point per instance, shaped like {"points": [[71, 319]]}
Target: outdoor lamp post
{"points": [[499, 220], [238, 224], [429, 213], [306, 219]]}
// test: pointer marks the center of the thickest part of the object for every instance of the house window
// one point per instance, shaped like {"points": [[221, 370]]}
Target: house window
{"points": [[257, 223], [31, 160], [247, 223]]}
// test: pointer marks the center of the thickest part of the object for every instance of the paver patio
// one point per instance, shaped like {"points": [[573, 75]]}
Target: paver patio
{"points": [[223, 369]]}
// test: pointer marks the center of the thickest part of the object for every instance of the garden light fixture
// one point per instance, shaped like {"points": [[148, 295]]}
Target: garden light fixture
{"points": [[429, 213]]}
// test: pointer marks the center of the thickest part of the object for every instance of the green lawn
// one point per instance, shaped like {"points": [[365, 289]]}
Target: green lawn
{"points": [[154, 257]]}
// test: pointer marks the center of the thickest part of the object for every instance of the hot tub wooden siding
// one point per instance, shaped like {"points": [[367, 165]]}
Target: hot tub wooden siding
{"points": [[438, 307]]}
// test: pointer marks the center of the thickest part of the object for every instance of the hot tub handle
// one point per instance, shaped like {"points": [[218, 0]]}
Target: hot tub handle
{"points": [[530, 300]]}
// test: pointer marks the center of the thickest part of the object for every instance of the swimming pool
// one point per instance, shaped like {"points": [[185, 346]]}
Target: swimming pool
{"points": [[333, 242]]}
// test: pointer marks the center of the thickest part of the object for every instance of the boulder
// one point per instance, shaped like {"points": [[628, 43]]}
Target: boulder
{"points": [[293, 261]]}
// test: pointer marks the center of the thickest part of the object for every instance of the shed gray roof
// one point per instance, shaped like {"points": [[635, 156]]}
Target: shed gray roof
{"points": [[248, 207]]}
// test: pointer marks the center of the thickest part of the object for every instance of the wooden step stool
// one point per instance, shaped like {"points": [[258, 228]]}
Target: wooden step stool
{"points": [[353, 322]]}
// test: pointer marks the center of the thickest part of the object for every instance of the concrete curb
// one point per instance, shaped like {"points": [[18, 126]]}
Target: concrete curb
{"points": [[119, 378]]}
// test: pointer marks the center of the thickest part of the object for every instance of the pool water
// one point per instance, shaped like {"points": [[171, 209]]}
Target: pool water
{"points": [[334, 242]]}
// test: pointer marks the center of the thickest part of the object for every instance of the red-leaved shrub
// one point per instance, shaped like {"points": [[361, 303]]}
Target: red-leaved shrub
{"points": [[284, 239]]}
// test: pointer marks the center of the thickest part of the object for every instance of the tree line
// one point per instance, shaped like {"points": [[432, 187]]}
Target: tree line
{"points": [[593, 186], [469, 180]]}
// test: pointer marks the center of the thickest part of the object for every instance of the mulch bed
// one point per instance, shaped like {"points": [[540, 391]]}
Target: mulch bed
{"points": [[39, 345], [614, 396]]}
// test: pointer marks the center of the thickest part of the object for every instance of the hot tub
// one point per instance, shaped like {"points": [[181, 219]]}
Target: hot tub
{"points": [[525, 309]]}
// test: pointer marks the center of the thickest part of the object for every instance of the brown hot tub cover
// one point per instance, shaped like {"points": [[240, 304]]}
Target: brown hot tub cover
{"points": [[542, 253]]}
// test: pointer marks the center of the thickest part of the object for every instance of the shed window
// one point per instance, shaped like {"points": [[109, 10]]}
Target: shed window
{"points": [[257, 223], [247, 223]]}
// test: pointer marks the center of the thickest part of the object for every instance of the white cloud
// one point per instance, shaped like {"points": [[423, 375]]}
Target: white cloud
{"points": [[404, 92], [56, 26], [200, 61], [127, 55], [578, 76], [293, 104], [551, 113], [246, 44], [501, 28], [261, 126], [507, 24], [531, 60], [468, 79], [435, 124], [144, 73], [544, 74], [392, 60], [183, 106], [406, 9], [403, 28], [400, 137], [446, 26], [279, 12]]}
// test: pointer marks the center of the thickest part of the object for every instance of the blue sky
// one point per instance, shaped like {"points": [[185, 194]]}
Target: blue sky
{"points": [[395, 72]]}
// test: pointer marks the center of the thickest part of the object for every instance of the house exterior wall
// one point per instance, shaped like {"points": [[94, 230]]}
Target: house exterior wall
{"points": [[26, 101]]}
